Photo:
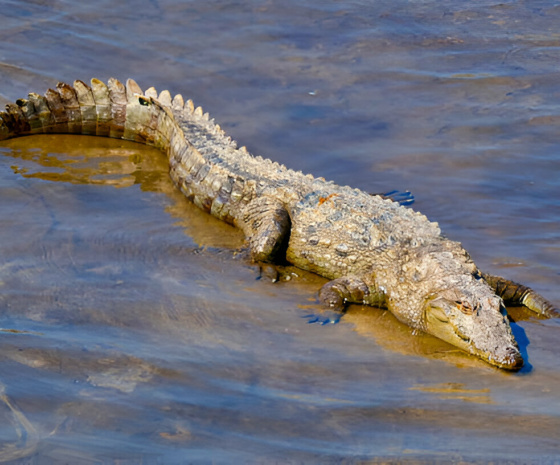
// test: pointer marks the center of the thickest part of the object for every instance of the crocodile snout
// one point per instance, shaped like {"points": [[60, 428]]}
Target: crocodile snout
{"points": [[513, 355]]}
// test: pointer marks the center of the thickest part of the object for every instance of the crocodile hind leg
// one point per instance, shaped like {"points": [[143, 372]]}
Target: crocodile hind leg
{"points": [[515, 293], [266, 225]]}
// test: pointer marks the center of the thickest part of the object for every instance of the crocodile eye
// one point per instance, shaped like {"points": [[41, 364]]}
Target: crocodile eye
{"points": [[465, 307]]}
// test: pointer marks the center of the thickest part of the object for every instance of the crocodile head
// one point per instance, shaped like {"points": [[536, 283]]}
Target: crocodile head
{"points": [[441, 291], [461, 308], [476, 323]]}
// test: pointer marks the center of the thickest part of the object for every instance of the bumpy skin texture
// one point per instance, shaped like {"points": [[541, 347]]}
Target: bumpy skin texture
{"points": [[373, 250]]}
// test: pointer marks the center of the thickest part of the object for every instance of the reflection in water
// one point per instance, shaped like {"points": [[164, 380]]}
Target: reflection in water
{"points": [[393, 335], [104, 165], [93, 160], [457, 391]]}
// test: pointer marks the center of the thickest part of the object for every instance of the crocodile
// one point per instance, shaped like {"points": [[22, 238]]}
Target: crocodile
{"points": [[372, 250]]}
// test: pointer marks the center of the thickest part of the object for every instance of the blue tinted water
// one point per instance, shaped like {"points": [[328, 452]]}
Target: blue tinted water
{"points": [[133, 331]]}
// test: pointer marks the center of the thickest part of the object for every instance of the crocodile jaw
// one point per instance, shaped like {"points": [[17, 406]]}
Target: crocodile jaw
{"points": [[485, 333]]}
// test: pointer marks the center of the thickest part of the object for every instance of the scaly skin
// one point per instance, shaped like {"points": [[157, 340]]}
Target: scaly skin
{"points": [[373, 250]]}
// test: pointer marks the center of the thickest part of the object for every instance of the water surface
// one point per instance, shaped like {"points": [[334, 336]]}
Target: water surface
{"points": [[135, 330]]}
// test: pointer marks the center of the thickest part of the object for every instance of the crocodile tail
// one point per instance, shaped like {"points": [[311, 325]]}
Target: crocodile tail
{"points": [[515, 293], [112, 110], [123, 111]]}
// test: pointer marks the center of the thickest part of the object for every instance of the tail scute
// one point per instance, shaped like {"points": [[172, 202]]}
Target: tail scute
{"points": [[165, 98], [178, 103], [113, 109], [519, 294], [117, 95], [41, 117], [151, 93], [69, 101], [88, 111], [20, 123], [132, 90], [83, 93], [100, 92], [58, 112]]}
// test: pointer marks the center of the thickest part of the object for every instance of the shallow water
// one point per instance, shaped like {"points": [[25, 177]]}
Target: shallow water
{"points": [[134, 332]]}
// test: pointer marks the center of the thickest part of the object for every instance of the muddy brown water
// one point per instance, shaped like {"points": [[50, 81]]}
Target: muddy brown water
{"points": [[134, 331]]}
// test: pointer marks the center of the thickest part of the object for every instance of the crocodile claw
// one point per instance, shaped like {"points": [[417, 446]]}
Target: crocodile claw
{"points": [[403, 198], [325, 318]]}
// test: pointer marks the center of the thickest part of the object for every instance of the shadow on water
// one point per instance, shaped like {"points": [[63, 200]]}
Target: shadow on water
{"points": [[523, 343], [521, 314]]}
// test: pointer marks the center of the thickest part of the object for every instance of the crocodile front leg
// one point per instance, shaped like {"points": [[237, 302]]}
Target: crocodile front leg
{"points": [[336, 293], [515, 293], [349, 289], [266, 224], [339, 292]]}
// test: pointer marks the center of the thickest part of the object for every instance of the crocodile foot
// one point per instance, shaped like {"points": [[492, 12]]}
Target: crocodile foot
{"points": [[268, 272]]}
